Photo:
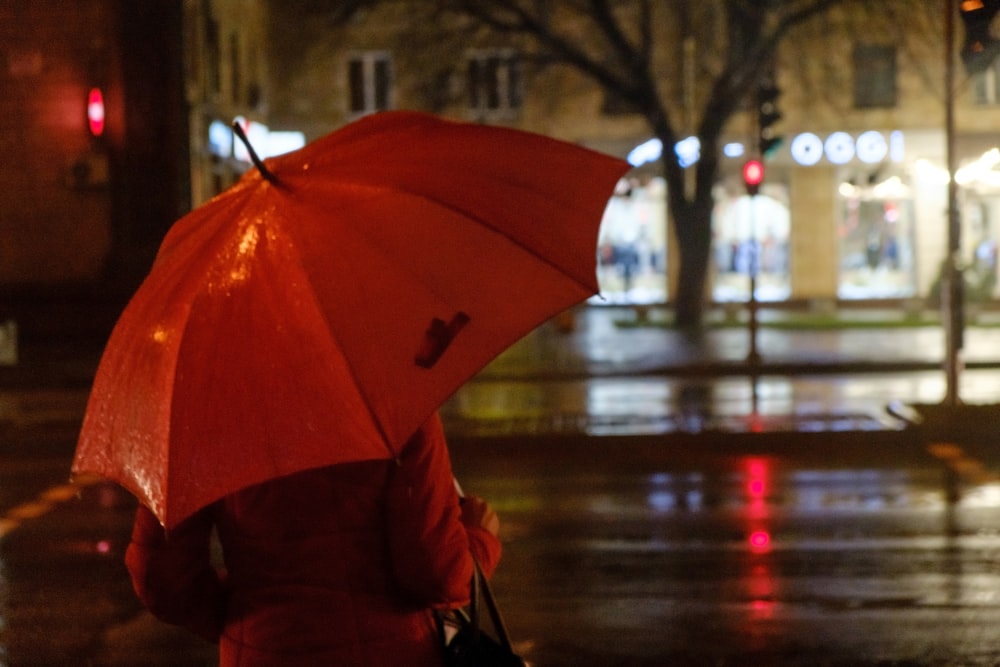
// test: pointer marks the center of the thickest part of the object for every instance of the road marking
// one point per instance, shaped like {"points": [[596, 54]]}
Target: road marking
{"points": [[966, 466], [30, 510], [44, 503], [7, 526], [62, 493]]}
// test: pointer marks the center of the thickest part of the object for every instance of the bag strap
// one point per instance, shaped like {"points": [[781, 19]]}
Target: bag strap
{"points": [[472, 618], [481, 589]]}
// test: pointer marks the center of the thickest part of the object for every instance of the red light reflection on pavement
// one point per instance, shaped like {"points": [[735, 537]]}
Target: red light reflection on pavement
{"points": [[759, 577], [760, 541]]}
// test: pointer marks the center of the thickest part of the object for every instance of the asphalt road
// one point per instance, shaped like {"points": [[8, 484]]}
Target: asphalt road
{"points": [[617, 551], [648, 518], [636, 556]]}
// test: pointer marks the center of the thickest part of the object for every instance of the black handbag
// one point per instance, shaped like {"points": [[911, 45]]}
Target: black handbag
{"points": [[471, 646]]}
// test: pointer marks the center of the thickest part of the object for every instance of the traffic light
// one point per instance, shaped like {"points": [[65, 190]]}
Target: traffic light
{"points": [[980, 48], [95, 112], [753, 175], [767, 115]]}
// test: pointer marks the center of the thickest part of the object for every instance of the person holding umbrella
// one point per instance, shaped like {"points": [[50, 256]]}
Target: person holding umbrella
{"points": [[275, 380], [342, 565]]}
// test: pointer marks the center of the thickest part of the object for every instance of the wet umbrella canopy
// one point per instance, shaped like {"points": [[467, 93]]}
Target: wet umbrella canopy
{"points": [[320, 310]]}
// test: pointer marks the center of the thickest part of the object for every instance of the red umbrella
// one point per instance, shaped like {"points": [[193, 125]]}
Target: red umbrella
{"points": [[321, 309]]}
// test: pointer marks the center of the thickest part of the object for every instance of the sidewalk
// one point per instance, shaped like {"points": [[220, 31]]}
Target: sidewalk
{"points": [[608, 378], [605, 342], [605, 378]]}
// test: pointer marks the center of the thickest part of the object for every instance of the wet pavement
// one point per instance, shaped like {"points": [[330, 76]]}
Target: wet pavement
{"points": [[606, 377], [660, 506], [632, 553], [751, 561]]}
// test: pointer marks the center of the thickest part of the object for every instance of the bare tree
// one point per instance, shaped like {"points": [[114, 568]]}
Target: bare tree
{"points": [[614, 43], [619, 46]]}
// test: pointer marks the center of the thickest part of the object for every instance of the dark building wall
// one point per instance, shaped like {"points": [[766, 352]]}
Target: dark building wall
{"points": [[151, 186], [54, 224], [81, 215]]}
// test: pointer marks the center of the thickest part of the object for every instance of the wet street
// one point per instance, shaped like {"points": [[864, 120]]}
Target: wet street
{"points": [[617, 551], [747, 560], [648, 518]]}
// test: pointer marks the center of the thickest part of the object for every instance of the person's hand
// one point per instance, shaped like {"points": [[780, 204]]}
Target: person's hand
{"points": [[477, 512]]}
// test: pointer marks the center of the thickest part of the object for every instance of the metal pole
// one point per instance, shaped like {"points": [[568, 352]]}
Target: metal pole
{"points": [[753, 357], [951, 284]]}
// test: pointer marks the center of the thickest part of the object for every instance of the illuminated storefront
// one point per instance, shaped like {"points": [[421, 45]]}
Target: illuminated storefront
{"points": [[875, 238], [840, 216], [632, 246], [751, 234], [979, 183]]}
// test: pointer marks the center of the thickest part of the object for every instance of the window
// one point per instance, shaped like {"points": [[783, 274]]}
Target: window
{"points": [[874, 76], [235, 69], [370, 81], [494, 82], [213, 53], [986, 86]]}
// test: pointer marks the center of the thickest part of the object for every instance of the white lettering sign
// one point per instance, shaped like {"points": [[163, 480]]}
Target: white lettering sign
{"points": [[871, 147], [839, 148], [807, 149]]}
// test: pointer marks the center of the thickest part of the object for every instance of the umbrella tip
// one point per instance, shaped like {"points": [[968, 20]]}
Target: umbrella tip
{"points": [[266, 173]]}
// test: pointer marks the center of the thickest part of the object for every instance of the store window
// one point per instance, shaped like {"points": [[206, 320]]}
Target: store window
{"points": [[875, 235], [986, 86], [495, 86], [632, 246], [981, 214], [751, 237], [874, 76], [370, 82]]}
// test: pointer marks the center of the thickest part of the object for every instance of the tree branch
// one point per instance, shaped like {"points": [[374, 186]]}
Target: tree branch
{"points": [[514, 18]]}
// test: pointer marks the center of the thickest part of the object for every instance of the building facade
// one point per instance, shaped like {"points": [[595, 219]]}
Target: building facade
{"points": [[854, 201], [852, 207], [225, 65], [94, 148]]}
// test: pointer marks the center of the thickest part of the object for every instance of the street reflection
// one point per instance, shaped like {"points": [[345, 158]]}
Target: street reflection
{"points": [[673, 492], [748, 555], [656, 405], [758, 567], [759, 487], [757, 471]]}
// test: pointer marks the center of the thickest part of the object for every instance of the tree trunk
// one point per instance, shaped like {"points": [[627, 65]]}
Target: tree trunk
{"points": [[693, 233]]}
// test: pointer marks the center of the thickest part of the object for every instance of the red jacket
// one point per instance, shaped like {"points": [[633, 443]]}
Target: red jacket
{"points": [[335, 566]]}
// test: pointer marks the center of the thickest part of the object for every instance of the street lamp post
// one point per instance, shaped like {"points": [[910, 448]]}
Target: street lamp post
{"points": [[951, 284], [753, 356], [753, 176]]}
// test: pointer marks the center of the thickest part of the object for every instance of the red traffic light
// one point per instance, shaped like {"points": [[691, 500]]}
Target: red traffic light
{"points": [[753, 172], [95, 112]]}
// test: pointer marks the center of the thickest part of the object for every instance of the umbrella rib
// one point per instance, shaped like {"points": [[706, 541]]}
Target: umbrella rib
{"points": [[348, 363], [516, 241], [396, 188]]}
